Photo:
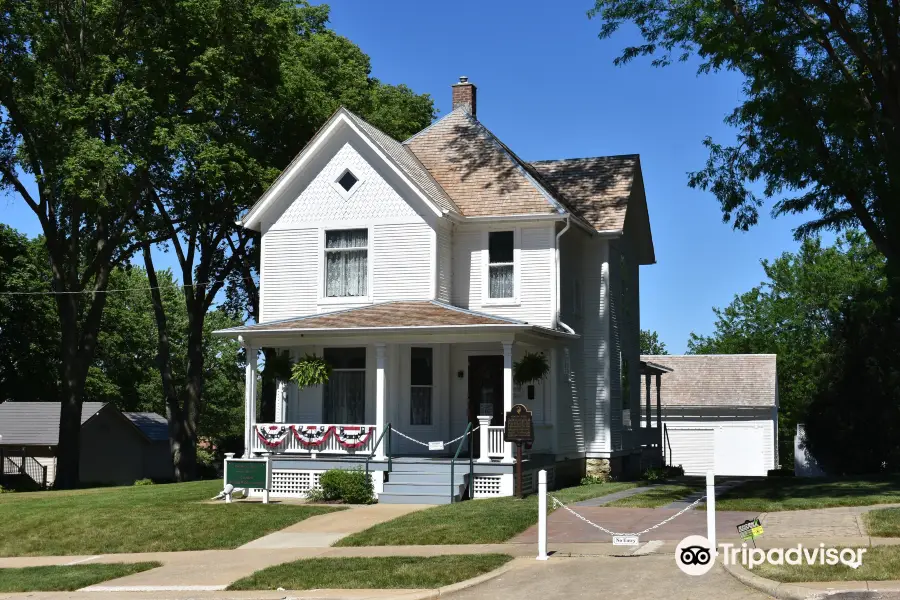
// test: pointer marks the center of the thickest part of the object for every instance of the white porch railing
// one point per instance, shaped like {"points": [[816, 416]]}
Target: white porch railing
{"points": [[495, 442], [314, 438]]}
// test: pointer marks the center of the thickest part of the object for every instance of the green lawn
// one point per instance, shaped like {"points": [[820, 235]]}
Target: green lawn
{"points": [[660, 495], [377, 573], [66, 578], [879, 563], [795, 493], [136, 519], [883, 523], [488, 521]]}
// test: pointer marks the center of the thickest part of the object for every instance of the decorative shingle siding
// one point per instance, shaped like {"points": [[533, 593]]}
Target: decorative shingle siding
{"points": [[320, 201]]}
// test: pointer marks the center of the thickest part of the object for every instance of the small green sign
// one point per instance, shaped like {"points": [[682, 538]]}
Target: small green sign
{"points": [[246, 473], [750, 530]]}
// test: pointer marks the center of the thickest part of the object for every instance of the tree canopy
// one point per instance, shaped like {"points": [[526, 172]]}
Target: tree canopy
{"points": [[650, 343], [819, 122]]}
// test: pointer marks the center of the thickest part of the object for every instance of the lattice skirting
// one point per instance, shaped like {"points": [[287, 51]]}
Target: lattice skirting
{"points": [[487, 486], [291, 484]]}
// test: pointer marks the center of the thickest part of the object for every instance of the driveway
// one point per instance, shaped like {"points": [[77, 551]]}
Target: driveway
{"points": [[653, 577]]}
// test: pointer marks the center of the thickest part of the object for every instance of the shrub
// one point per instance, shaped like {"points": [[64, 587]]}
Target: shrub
{"points": [[351, 487], [596, 479], [661, 473], [4, 490], [143, 482]]}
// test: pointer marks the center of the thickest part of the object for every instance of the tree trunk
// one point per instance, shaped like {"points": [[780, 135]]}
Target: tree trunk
{"points": [[186, 459]]}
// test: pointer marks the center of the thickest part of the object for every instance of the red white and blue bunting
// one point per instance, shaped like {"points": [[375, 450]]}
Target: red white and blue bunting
{"points": [[311, 435], [353, 437], [272, 435]]}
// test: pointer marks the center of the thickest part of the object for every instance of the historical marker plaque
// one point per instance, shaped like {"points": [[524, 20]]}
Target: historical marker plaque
{"points": [[519, 426]]}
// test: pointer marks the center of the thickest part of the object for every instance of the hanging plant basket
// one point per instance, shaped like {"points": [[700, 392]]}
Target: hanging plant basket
{"points": [[532, 368], [309, 371]]}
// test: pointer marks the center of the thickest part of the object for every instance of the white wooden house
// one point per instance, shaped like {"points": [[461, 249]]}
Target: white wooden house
{"points": [[422, 271]]}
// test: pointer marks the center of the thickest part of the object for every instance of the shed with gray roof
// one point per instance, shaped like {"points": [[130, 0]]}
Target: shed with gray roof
{"points": [[116, 447]]}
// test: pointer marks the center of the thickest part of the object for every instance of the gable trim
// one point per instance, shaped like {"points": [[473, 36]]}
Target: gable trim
{"points": [[253, 218]]}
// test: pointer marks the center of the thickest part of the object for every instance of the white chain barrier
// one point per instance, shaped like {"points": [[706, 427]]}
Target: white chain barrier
{"points": [[556, 502], [401, 434]]}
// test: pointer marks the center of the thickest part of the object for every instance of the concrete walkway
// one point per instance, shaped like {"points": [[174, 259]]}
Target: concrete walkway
{"points": [[691, 498], [604, 500], [322, 531]]}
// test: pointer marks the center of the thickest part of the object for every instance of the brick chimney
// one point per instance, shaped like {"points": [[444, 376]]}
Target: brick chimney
{"points": [[464, 93]]}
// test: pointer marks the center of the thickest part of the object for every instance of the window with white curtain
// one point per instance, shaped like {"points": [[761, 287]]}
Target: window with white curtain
{"points": [[421, 376], [501, 264], [344, 396], [346, 263]]}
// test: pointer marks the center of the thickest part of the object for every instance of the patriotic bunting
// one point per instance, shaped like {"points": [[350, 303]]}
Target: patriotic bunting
{"points": [[272, 435], [353, 437], [312, 435]]}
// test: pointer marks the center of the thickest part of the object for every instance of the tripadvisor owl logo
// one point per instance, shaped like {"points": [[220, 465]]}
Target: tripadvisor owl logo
{"points": [[694, 555]]}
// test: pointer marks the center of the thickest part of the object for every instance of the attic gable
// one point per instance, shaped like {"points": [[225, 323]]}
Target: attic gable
{"points": [[344, 130]]}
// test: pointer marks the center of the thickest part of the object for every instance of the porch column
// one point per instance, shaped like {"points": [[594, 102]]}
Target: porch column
{"points": [[648, 400], [658, 403], [507, 392], [380, 393], [250, 399], [484, 422], [281, 391]]}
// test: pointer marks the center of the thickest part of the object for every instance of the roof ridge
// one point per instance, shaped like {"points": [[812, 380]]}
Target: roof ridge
{"points": [[461, 108], [552, 160]]}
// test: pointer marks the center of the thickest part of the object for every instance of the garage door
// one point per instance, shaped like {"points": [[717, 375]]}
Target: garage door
{"points": [[693, 449], [739, 451]]}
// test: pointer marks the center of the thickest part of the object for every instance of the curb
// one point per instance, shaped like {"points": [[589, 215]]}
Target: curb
{"points": [[779, 590], [462, 585]]}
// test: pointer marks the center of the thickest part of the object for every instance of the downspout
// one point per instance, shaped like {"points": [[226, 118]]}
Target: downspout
{"points": [[559, 235]]}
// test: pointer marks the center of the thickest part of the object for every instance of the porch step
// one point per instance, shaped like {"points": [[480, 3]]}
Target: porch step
{"points": [[416, 498], [429, 488], [427, 477]]}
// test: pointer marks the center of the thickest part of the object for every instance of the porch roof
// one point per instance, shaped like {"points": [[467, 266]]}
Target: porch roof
{"points": [[413, 315]]}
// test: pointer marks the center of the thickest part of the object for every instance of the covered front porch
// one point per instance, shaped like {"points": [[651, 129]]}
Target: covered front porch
{"points": [[437, 388]]}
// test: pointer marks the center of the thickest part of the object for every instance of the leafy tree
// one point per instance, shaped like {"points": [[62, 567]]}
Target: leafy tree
{"points": [[651, 344], [247, 88], [793, 314], [819, 124], [29, 329], [75, 115]]}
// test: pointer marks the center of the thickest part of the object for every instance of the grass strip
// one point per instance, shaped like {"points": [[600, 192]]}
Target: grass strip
{"points": [[383, 572], [66, 578]]}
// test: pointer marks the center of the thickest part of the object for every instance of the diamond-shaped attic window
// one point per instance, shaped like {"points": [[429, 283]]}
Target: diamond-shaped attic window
{"points": [[347, 181]]}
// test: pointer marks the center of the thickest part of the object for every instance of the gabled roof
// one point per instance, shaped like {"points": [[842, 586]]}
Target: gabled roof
{"points": [[408, 162], [481, 175], [154, 426], [597, 188], [722, 380], [36, 423]]}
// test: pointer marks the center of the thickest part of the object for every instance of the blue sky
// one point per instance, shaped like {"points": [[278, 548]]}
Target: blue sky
{"points": [[547, 87]]}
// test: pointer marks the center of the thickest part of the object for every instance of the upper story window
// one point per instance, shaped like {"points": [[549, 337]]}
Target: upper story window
{"points": [[501, 264], [346, 183], [346, 263]]}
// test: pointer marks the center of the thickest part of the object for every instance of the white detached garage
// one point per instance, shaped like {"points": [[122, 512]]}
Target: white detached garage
{"points": [[719, 412]]}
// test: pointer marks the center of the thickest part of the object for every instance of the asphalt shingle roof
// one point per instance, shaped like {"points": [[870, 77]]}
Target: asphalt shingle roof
{"points": [[153, 425], [741, 380], [36, 423], [423, 313]]}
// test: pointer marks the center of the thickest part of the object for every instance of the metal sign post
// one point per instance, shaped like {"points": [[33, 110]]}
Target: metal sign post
{"points": [[518, 429]]}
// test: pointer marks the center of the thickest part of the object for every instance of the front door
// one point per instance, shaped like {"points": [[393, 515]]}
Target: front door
{"points": [[485, 390]]}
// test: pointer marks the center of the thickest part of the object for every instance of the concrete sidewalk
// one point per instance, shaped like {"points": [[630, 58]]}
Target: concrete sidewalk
{"points": [[322, 531]]}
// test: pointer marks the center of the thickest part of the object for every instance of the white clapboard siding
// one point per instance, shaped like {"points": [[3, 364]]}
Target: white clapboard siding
{"points": [[401, 262], [535, 274], [444, 261], [288, 286], [596, 348], [693, 449]]}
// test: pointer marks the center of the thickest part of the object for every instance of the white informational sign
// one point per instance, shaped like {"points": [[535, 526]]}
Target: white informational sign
{"points": [[625, 540], [435, 445]]}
